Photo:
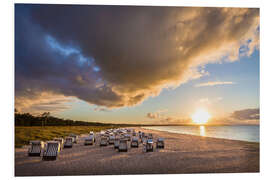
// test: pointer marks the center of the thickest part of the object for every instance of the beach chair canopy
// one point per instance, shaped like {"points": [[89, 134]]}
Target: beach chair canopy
{"points": [[36, 142], [104, 138], [69, 139], [59, 140], [123, 141], [135, 139]]}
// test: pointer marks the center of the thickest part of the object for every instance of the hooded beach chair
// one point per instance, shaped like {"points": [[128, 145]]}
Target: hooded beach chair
{"points": [[36, 148], [149, 145], [123, 145], [51, 151], [75, 137], [116, 142], [134, 142], [68, 142], [103, 141], [89, 140], [111, 139], [160, 143]]}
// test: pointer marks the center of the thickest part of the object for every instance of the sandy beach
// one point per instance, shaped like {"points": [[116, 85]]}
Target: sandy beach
{"points": [[182, 154]]}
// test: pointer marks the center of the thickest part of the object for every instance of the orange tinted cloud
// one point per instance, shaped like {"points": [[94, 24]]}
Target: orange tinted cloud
{"points": [[214, 83]]}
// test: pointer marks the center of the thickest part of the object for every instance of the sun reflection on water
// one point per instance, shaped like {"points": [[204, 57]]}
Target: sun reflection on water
{"points": [[202, 131]]}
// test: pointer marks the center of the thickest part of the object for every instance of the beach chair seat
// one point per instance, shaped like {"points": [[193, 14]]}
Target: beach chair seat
{"points": [[36, 148], [51, 151]]}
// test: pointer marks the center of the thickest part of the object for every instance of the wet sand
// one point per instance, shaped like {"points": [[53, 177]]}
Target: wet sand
{"points": [[182, 154]]}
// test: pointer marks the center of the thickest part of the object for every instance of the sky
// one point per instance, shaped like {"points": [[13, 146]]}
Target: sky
{"points": [[137, 64]]}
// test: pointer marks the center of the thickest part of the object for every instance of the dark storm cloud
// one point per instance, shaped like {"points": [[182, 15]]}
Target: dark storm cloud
{"points": [[246, 114], [117, 56]]}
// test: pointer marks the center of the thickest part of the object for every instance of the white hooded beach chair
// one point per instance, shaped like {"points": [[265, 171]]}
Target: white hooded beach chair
{"points": [[68, 142], [111, 139], [36, 148], [103, 141], [51, 151], [143, 137], [75, 137], [134, 142], [149, 145], [160, 143], [116, 142], [89, 140], [123, 145], [127, 137]]}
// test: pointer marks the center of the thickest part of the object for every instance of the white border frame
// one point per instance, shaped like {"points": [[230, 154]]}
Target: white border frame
{"points": [[7, 82]]}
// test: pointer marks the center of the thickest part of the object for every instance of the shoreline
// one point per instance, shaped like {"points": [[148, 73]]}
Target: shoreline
{"points": [[199, 135], [182, 154]]}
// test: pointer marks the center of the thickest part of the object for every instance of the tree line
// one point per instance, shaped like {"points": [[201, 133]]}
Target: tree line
{"points": [[45, 119]]}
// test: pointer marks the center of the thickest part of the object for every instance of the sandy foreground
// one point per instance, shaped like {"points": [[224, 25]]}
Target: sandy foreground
{"points": [[182, 154]]}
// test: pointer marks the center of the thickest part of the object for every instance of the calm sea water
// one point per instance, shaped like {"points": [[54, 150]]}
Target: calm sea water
{"points": [[243, 133]]}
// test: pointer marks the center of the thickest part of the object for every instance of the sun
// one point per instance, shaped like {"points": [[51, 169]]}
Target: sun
{"points": [[201, 116]]}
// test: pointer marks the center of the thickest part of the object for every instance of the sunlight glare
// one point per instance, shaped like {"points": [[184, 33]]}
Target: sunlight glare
{"points": [[201, 116], [202, 131]]}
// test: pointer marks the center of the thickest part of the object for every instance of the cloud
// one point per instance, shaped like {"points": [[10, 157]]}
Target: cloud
{"points": [[118, 56], [160, 118], [152, 115], [246, 114], [45, 101], [214, 83], [157, 115], [101, 109]]}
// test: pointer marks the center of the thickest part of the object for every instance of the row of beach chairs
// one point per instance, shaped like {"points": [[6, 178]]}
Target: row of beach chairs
{"points": [[51, 149], [120, 137]]}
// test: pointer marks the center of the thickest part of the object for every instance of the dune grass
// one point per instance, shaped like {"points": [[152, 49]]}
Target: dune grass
{"points": [[25, 134]]}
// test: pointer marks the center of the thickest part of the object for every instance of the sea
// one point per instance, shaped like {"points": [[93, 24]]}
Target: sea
{"points": [[250, 133]]}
